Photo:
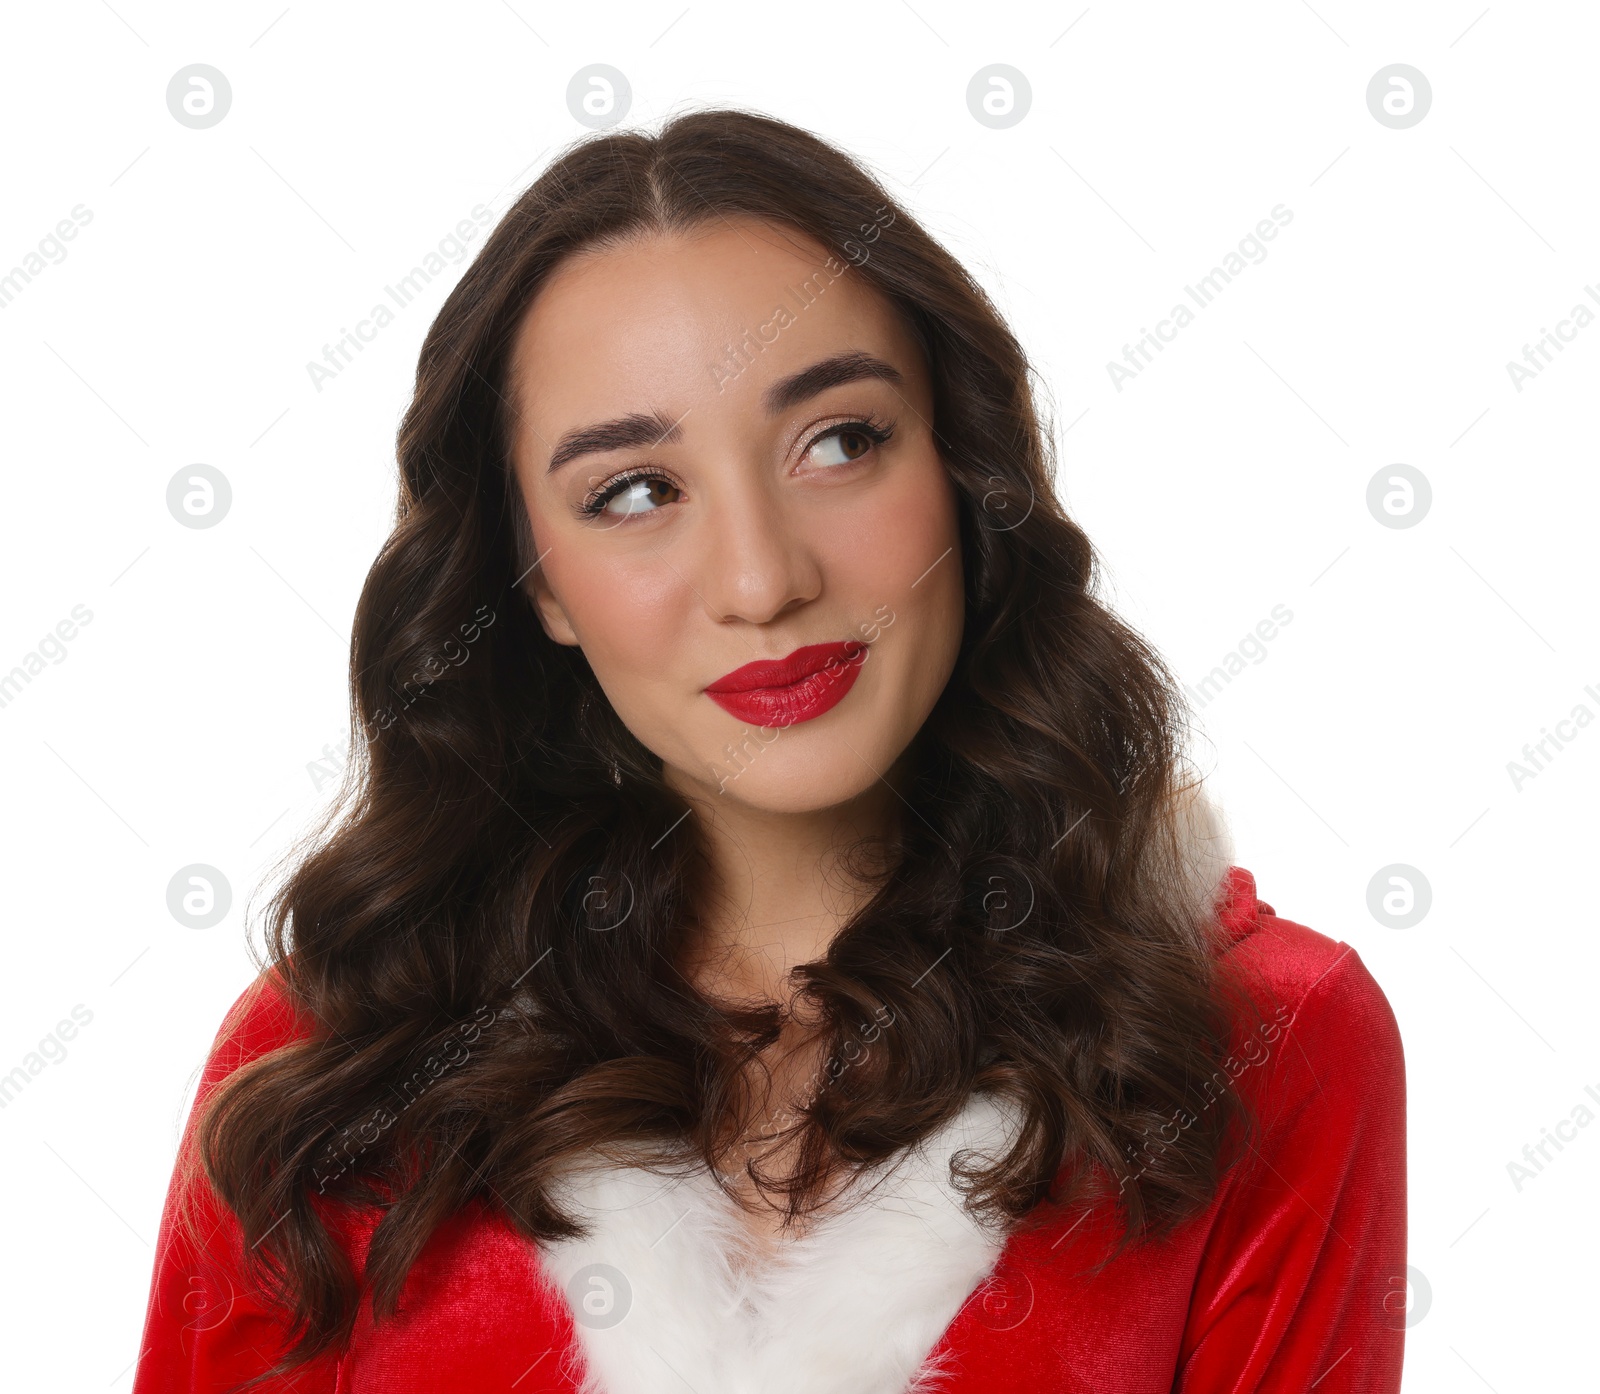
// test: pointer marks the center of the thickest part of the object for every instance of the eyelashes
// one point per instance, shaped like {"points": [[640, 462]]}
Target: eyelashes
{"points": [[872, 431], [597, 501], [644, 489]]}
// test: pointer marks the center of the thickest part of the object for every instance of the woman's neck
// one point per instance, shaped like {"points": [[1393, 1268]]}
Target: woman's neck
{"points": [[780, 888]]}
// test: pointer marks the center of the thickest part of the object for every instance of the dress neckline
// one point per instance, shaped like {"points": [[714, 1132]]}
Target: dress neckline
{"points": [[663, 1283]]}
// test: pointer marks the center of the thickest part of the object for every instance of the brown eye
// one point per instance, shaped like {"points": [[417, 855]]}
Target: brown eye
{"points": [[638, 496], [845, 444]]}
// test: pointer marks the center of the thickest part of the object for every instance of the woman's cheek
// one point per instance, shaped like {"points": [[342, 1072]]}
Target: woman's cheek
{"points": [[882, 551], [914, 562], [625, 612], [635, 622]]}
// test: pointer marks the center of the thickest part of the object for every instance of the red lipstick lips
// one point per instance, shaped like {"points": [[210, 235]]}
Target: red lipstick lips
{"points": [[781, 692]]}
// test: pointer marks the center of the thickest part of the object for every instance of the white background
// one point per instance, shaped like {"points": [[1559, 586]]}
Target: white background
{"points": [[1229, 477]]}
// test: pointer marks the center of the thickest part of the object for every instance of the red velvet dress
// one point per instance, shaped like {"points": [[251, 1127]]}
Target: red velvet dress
{"points": [[1292, 1280]]}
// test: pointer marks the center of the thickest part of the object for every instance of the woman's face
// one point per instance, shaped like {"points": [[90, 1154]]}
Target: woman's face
{"points": [[724, 443]]}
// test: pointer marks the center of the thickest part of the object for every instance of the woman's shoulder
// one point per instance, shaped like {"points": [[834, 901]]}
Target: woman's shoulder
{"points": [[1299, 967], [1322, 1038], [262, 1019], [1306, 1242]]}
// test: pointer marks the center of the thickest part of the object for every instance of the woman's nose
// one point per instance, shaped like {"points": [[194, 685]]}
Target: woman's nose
{"points": [[753, 560]]}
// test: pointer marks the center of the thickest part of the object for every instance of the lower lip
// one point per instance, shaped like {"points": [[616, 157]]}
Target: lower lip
{"points": [[802, 701]]}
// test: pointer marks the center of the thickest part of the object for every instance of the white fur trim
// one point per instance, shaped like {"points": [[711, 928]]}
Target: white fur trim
{"points": [[853, 1306], [1205, 849]]}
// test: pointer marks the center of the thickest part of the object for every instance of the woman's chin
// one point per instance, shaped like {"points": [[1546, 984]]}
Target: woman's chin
{"points": [[805, 777]]}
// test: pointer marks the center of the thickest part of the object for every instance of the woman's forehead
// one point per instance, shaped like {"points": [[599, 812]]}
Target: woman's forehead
{"points": [[705, 320]]}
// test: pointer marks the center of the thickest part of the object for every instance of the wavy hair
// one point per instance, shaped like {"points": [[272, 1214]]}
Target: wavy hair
{"points": [[479, 1017]]}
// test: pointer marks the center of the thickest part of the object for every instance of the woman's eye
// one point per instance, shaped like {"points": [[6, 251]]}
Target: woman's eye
{"points": [[637, 496], [845, 444]]}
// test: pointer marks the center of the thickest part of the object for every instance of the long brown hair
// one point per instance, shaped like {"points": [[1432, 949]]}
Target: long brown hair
{"points": [[483, 935]]}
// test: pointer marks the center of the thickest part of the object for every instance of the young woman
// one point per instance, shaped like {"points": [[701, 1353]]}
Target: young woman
{"points": [[773, 940]]}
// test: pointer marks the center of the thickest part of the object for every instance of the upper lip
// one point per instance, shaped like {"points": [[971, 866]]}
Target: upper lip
{"points": [[785, 672]]}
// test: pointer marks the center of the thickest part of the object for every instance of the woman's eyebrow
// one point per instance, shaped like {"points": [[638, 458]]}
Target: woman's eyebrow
{"points": [[653, 428], [849, 366], [641, 428]]}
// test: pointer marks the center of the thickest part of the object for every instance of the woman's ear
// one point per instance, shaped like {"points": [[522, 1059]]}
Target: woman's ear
{"points": [[552, 618], [536, 585]]}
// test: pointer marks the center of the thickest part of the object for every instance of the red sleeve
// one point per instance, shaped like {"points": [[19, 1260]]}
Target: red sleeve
{"points": [[204, 1332], [1301, 1284]]}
